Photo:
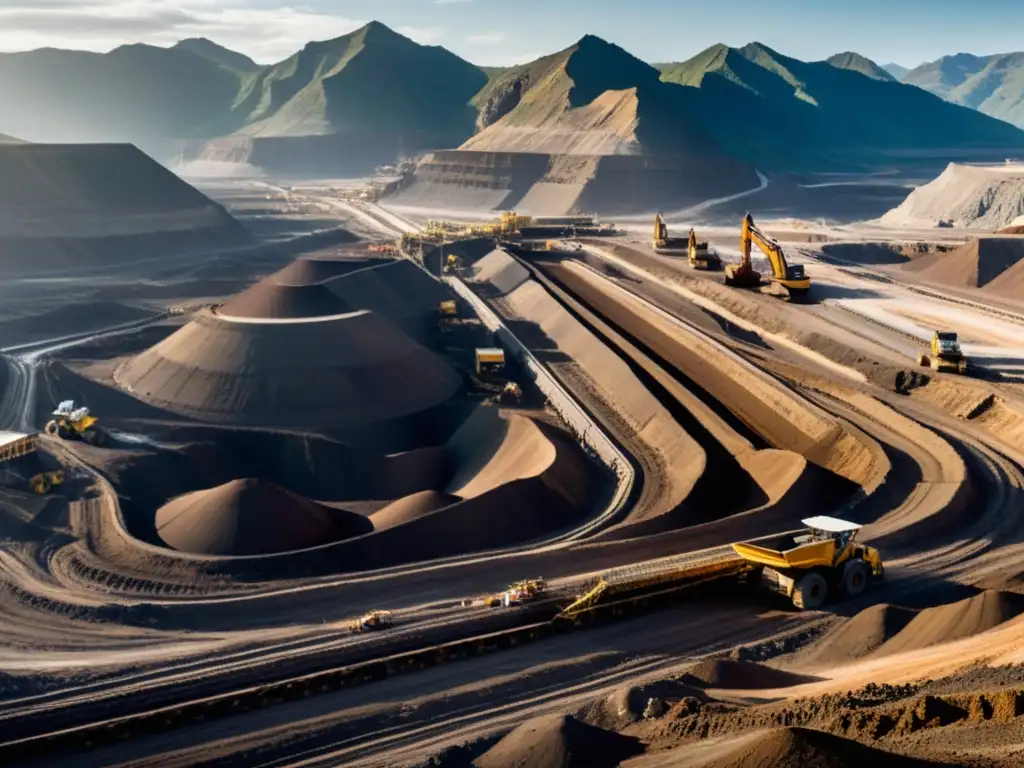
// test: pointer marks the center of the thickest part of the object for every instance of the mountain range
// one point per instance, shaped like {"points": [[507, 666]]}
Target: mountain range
{"points": [[993, 84], [376, 89]]}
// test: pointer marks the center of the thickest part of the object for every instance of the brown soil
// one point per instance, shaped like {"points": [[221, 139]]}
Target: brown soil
{"points": [[983, 263], [399, 291], [559, 741], [955, 621], [310, 270], [748, 675], [1015, 230], [858, 636], [500, 271], [269, 299], [784, 748], [355, 371], [252, 517], [411, 508]]}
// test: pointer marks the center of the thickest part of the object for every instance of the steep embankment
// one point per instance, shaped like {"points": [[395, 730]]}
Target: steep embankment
{"points": [[67, 206], [988, 197], [588, 128]]}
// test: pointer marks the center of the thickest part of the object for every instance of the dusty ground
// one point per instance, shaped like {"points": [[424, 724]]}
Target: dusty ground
{"points": [[739, 412]]}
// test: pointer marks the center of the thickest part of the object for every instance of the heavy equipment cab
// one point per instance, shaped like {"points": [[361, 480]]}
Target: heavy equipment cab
{"points": [[790, 276], [822, 561], [946, 354], [702, 255], [372, 621]]}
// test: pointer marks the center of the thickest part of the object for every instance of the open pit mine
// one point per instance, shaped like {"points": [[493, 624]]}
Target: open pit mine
{"points": [[590, 438]]}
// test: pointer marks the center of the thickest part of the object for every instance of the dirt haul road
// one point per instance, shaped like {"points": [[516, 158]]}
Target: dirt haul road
{"points": [[931, 534]]}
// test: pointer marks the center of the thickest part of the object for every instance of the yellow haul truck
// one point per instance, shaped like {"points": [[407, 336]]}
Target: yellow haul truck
{"points": [[809, 567], [70, 423]]}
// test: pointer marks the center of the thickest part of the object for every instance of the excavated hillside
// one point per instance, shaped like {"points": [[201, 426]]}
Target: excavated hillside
{"points": [[351, 103], [785, 114], [978, 197], [63, 206], [591, 128]]}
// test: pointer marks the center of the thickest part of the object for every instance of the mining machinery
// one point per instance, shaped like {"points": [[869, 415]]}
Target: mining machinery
{"points": [[451, 264], [702, 255], [448, 309], [790, 276], [372, 621], [489, 360], [70, 423], [662, 242], [44, 482], [946, 355], [820, 563]]}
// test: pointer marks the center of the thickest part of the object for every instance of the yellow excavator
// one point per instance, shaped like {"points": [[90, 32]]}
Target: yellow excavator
{"points": [[70, 423], [702, 256], [743, 275]]}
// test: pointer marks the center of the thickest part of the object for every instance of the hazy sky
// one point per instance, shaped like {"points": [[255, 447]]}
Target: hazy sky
{"points": [[502, 31]]}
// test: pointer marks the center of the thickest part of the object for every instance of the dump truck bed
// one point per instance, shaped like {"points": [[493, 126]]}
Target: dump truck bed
{"points": [[788, 552]]}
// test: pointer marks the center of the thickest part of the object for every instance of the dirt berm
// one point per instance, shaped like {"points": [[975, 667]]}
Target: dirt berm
{"points": [[990, 263], [310, 270], [269, 300]]}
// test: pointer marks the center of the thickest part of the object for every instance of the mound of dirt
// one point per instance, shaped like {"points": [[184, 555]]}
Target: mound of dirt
{"points": [[731, 673], [411, 508], [268, 300], [347, 372], [500, 271], [860, 635], [399, 290], [983, 263], [797, 748], [308, 270], [63, 205], [559, 741], [252, 517], [968, 196], [946, 623], [626, 705]]}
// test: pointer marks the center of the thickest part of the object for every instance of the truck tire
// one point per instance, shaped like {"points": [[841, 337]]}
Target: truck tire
{"points": [[856, 575], [810, 592]]}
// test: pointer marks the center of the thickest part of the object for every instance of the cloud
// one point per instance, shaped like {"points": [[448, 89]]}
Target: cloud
{"points": [[268, 33], [487, 37]]}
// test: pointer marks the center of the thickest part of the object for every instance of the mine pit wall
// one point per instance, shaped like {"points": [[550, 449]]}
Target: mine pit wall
{"points": [[561, 184]]}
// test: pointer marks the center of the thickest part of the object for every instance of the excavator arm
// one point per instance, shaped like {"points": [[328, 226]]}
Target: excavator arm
{"points": [[791, 277]]}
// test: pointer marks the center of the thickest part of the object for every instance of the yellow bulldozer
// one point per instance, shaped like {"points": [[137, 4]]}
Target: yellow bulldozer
{"points": [[946, 355], [44, 482], [743, 275], [70, 423], [810, 567]]}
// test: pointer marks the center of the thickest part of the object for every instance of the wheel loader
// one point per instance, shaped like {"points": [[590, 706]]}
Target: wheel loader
{"points": [[946, 355], [70, 423], [811, 567], [44, 482]]}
